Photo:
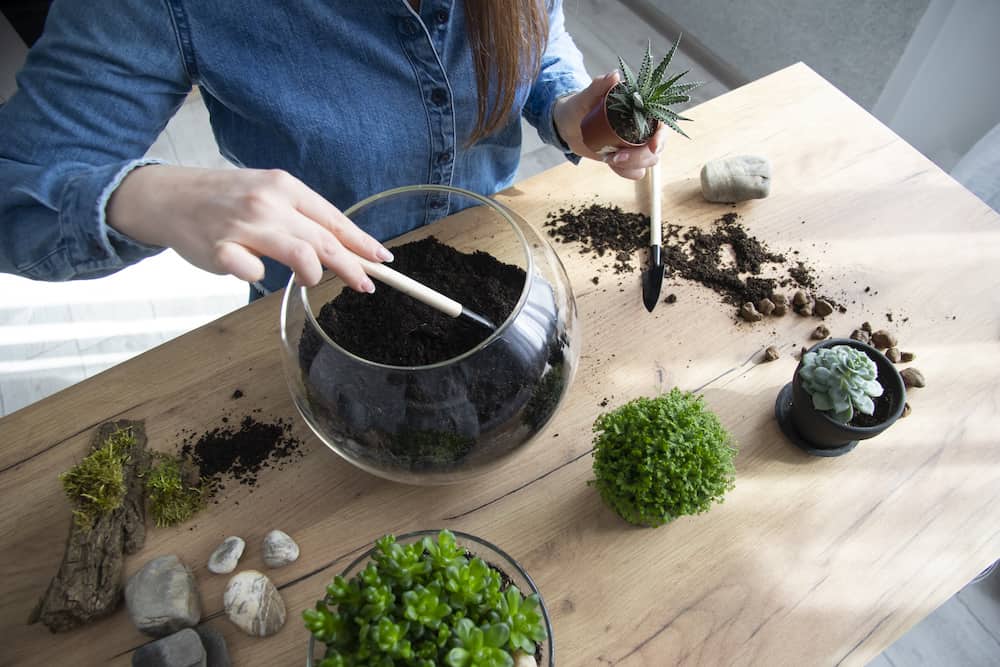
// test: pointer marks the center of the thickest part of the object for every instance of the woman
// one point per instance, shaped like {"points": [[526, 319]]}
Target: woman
{"points": [[321, 102]]}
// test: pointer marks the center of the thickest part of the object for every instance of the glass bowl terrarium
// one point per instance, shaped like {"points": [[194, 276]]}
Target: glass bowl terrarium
{"points": [[533, 623], [408, 394]]}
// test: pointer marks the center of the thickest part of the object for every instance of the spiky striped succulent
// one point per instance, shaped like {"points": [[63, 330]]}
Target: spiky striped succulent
{"points": [[646, 98]]}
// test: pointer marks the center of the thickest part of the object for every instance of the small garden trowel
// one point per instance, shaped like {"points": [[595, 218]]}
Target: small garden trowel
{"points": [[425, 294], [652, 277]]}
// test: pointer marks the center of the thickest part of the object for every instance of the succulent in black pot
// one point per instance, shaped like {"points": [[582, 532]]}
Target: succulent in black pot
{"points": [[843, 391]]}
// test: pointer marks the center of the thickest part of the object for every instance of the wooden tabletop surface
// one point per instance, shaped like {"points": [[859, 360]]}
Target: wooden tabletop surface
{"points": [[809, 561]]}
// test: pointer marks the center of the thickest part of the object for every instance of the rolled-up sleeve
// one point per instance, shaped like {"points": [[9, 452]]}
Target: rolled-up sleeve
{"points": [[562, 72], [96, 90]]}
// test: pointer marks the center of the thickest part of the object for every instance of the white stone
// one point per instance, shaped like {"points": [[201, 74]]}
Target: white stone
{"points": [[227, 555], [279, 549], [736, 179], [253, 604], [524, 660]]}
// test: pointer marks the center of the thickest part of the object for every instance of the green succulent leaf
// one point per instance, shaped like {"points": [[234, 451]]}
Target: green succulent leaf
{"points": [[841, 380], [645, 70], [665, 63]]}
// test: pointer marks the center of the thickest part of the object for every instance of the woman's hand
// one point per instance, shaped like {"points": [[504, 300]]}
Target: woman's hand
{"points": [[569, 112], [224, 220]]}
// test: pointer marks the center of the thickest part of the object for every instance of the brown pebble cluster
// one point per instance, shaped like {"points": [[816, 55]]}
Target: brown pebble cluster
{"points": [[777, 305]]}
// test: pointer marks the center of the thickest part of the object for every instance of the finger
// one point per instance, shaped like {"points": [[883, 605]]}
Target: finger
{"points": [[233, 258], [318, 209], [331, 251], [632, 174], [658, 140], [292, 251], [633, 159]]}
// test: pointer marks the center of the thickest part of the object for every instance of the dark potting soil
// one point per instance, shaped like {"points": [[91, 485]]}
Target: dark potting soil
{"points": [[884, 406], [239, 453], [693, 254], [390, 327]]}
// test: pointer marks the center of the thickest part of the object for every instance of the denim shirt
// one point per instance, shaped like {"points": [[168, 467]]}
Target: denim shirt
{"points": [[351, 97]]}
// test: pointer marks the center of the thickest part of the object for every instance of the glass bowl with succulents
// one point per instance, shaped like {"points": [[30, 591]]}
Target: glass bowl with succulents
{"points": [[410, 394], [630, 112], [431, 598], [843, 391]]}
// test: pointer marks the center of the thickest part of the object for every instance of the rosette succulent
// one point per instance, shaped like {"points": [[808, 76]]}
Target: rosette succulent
{"points": [[840, 380], [645, 98]]}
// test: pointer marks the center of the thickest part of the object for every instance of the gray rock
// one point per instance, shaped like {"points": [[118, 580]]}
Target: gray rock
{"points": [[279, 549], [216, 650], [181, 649], [822, 308], [162, 597], [736, 178], [253, 604], [226, 556], [912, 377]]}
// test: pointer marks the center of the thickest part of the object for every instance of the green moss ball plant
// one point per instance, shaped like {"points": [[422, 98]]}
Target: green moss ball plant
{"points": [[656, 459], [428, 603]]}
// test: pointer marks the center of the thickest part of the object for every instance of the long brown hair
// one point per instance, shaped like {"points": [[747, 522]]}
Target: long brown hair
{"points": [[508, 38]]}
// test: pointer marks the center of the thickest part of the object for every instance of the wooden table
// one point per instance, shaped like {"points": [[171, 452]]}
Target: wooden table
{"points": [[809, 561]]}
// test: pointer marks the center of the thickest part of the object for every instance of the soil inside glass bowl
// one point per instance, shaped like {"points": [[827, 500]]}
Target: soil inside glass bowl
{"points": [[390, 327]]}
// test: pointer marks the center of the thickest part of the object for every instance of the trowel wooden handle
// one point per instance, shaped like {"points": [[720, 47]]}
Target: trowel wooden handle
{"points": [[411, 287], [655, 204]]}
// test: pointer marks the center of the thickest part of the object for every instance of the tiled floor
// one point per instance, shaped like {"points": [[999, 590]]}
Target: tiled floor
{"points": [[54, 335]]}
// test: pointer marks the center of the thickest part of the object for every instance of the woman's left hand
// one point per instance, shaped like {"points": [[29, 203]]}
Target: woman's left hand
{"points": [[569, 112]]}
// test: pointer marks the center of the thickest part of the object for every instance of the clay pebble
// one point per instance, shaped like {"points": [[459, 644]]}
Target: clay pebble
{"points": [[912, 377], [736, 179], [820, 333], [771, 353], [749, 313]]}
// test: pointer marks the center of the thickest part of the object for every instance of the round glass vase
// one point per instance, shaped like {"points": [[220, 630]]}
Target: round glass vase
{"points": [[491, 554], [460, 418]]}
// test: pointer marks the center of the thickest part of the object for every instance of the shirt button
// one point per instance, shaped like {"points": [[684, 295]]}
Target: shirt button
{"points": [[439, 96], [409, 27], [443, 157], [441, 17]]}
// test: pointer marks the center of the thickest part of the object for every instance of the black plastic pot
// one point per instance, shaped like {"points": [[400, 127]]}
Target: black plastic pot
{"points": [[816, 432]]}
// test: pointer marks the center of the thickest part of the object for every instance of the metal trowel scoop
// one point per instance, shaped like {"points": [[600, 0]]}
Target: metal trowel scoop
{"points": [[652, 277]]}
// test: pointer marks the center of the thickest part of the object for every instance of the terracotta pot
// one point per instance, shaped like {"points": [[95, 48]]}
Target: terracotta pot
{"points": [[599, 135], [816, 432]]}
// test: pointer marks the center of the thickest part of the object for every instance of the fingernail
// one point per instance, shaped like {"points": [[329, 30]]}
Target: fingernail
{"points": [[620, 157], [368, 286], [383, 254]]}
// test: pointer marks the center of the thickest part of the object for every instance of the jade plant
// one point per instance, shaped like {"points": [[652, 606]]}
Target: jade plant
{"points": [[841, 380], [425, 603], [646, 97], [656, 459]]}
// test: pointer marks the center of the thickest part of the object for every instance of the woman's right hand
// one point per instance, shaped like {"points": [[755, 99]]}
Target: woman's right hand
{"points": [[224, 220]]}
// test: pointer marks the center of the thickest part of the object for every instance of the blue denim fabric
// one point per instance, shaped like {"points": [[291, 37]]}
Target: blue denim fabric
{"points": [[351, 97]]}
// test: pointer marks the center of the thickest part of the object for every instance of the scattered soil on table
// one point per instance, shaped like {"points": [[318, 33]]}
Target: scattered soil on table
{"points": [[390, 327], [239, 452], [725, 258]]}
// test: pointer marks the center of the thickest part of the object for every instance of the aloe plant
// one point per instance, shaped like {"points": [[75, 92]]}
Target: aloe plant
{"points": [[646, 97], [840, 380]]}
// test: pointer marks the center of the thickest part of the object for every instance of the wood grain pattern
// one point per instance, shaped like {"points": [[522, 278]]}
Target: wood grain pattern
{"points": [[809, 561]]}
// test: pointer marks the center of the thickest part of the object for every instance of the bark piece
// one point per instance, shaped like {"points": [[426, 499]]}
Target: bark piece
{"points": [[89, 583]]}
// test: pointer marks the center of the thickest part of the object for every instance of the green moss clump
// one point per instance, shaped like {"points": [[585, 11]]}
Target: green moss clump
{"points": [[96, 485], [656, 459], [172, 498]]}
